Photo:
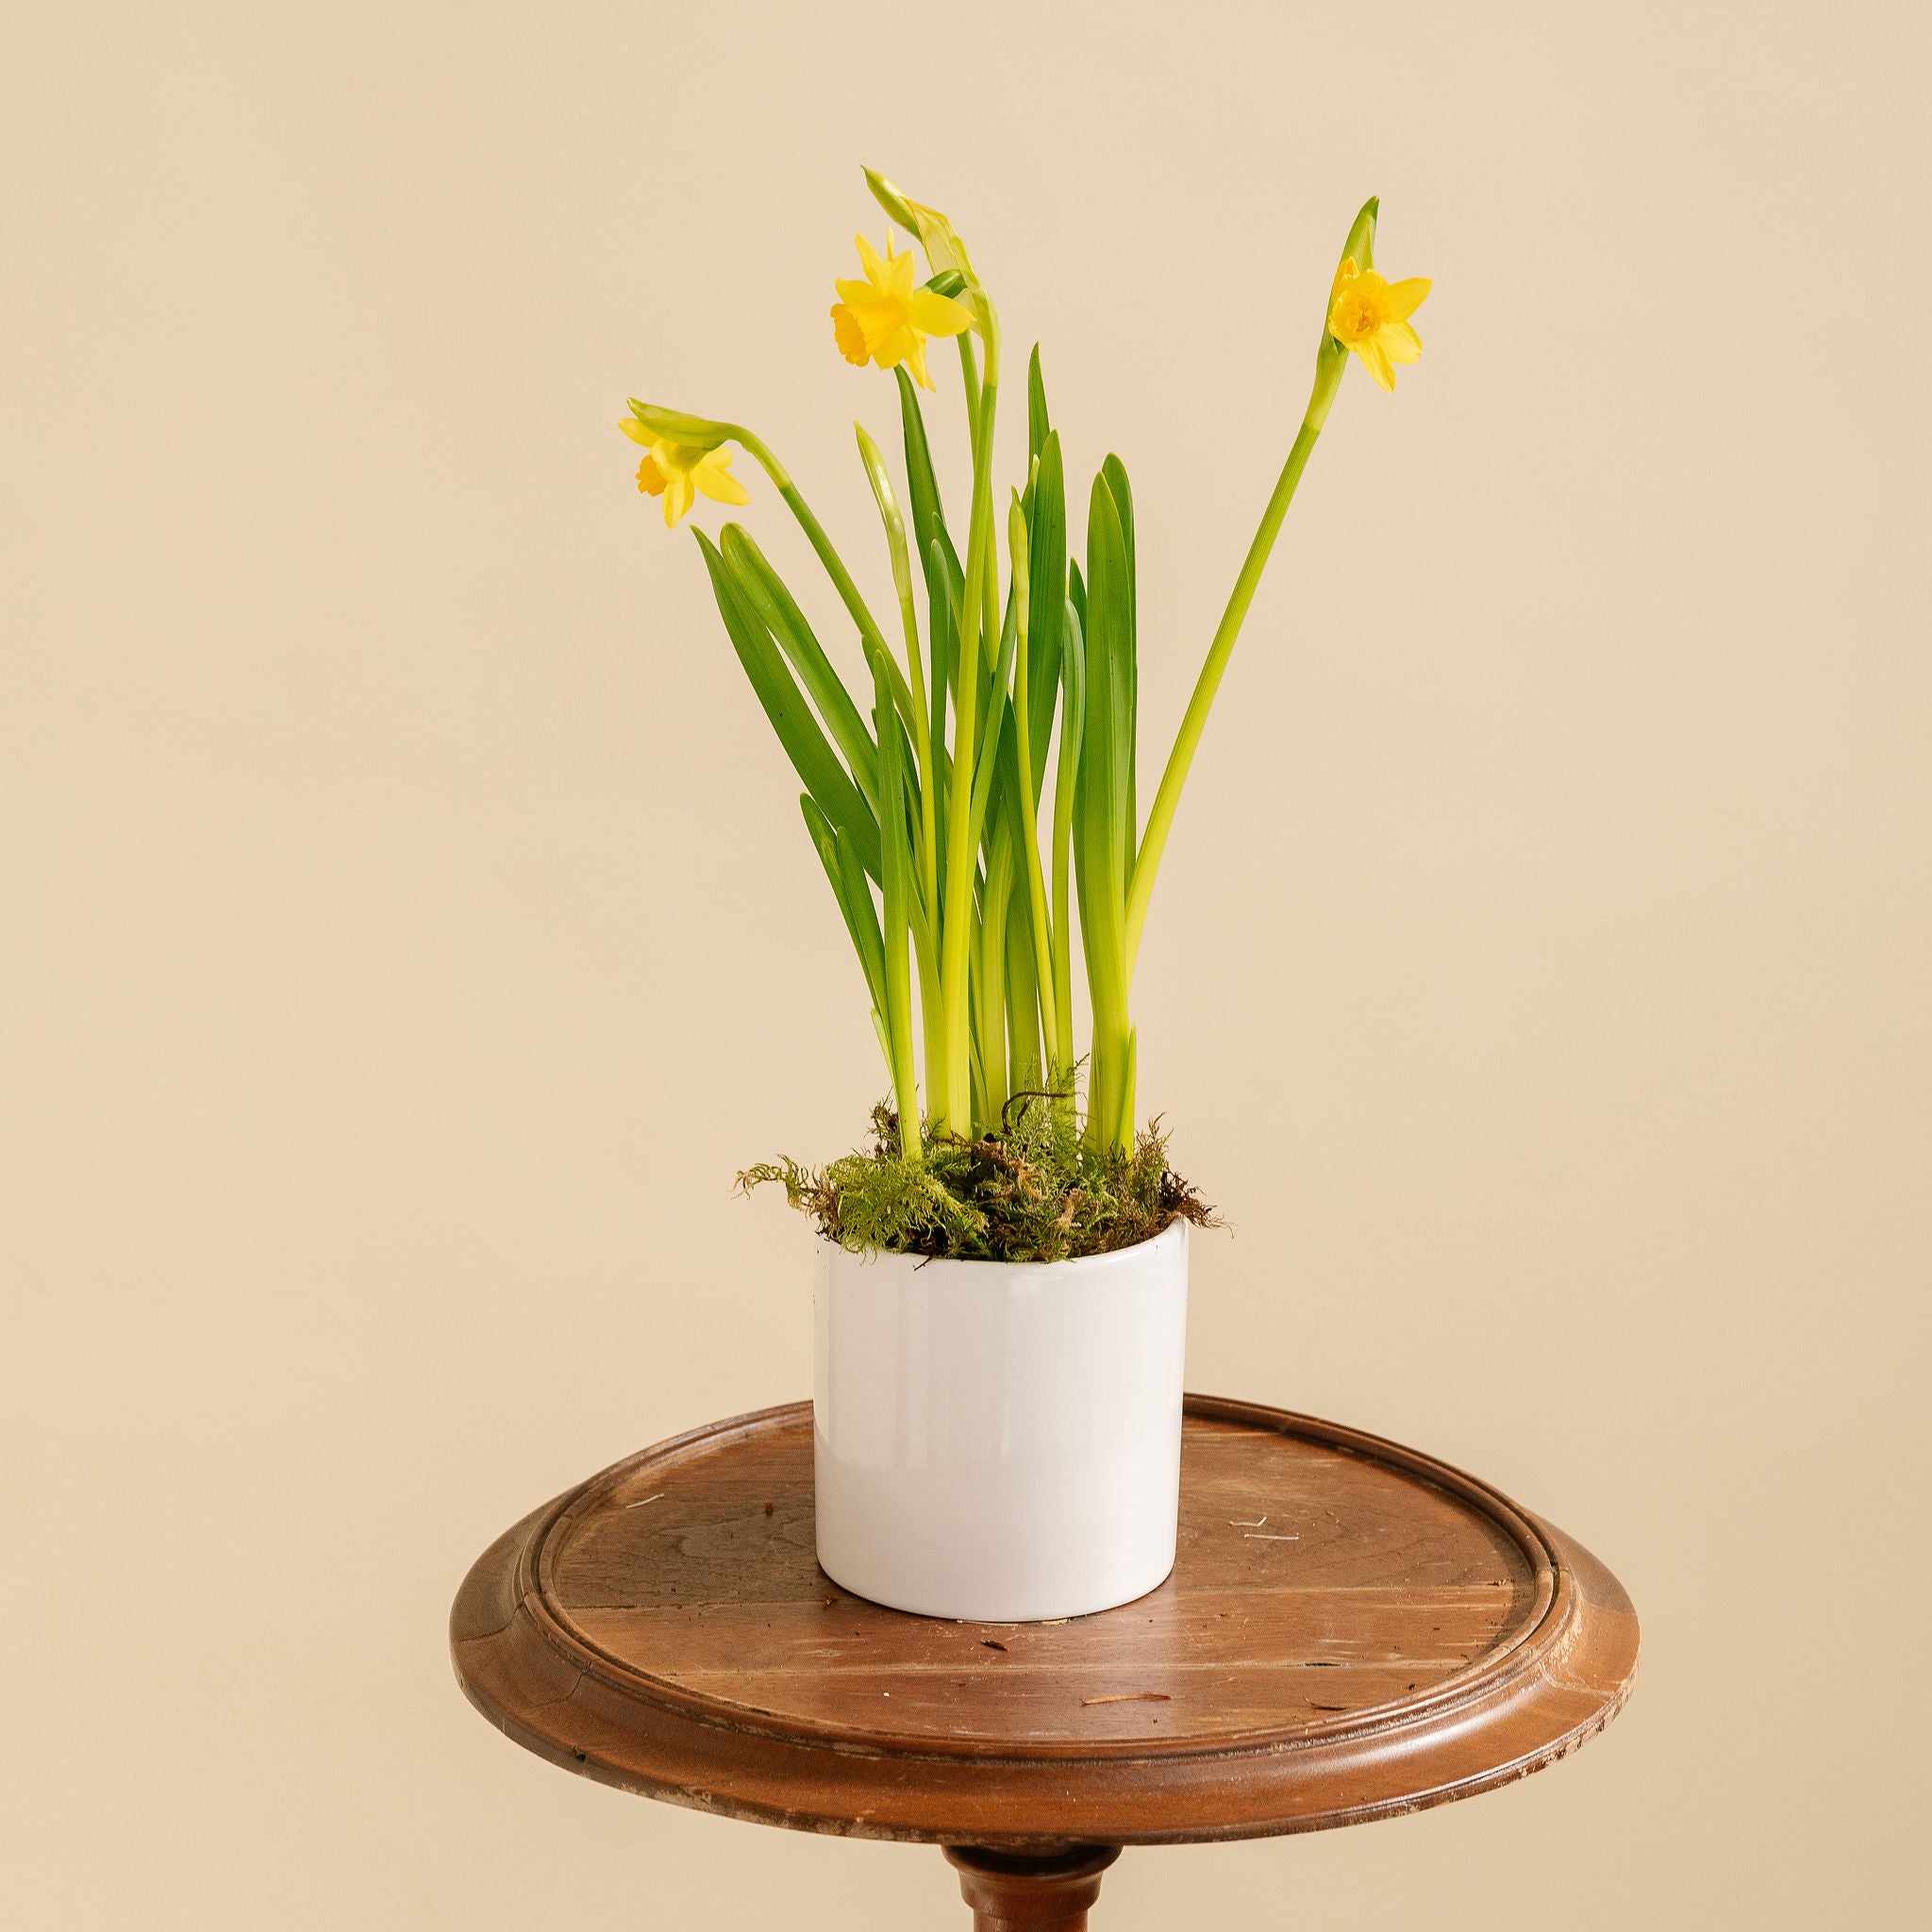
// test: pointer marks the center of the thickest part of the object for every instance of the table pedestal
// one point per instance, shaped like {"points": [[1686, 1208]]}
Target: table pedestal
{"points": [[1052, 1894]]}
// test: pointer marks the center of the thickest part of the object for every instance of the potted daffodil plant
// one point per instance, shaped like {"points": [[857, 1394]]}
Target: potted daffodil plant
{"points": [[1002, 1272]]}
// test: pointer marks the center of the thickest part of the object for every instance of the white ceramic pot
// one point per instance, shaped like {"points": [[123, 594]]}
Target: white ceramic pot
{"points": [[1000, 1442]]}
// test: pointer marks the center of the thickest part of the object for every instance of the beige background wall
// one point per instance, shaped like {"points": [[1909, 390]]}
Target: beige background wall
{"points": [[404, 932]]}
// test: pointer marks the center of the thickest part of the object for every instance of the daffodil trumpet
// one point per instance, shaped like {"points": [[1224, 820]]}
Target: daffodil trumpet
{"points": [[986, 786]]}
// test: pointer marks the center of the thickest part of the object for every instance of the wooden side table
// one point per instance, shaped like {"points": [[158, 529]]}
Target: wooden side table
{"points": [[1351, 1631]]}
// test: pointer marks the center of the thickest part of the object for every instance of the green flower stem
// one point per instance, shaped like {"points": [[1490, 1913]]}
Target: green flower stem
{"points": [[1072, 715], [870, 634], [969, 376], [908, 618], [956, 927], [1186, 740], [1331, 360], [982, 472], [993, 976], [896, 880], [932, 1014], [1029, 824], [1026, 1070]]}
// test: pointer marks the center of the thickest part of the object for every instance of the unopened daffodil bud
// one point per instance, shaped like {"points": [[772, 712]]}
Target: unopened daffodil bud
{"points": [[693, 432], [945, 253], [937, 235], [895, 205]]}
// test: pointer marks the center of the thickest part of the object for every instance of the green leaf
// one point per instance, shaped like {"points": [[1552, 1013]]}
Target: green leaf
{"points": [[1074, 684], [764, 590], [1038, 426], [993, 718], [1026, 1064], [921, 486], [1110, 659], [1100, 808], [899, 883], [996, 898], [943, 633], [1066, 784], [1128, 724], [950, 588], [1048, 560], [855, 899], [812, 757]]}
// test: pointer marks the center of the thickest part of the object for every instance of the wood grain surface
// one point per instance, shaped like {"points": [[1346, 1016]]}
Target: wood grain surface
{"points": [[1351, 1629]]}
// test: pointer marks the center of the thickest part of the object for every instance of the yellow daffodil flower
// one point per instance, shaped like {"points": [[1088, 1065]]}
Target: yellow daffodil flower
{"points": [[677, 471], [885, 320], [1370, 316]]}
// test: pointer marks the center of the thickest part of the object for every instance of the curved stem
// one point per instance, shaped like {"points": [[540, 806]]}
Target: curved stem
{"points": [[1187, 740], [868, 631]]}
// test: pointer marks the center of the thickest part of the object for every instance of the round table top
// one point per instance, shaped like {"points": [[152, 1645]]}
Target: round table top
{"points": [[1352, 1629]]}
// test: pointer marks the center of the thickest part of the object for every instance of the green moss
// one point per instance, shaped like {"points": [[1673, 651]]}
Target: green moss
{"points": [[1033, 1191]]}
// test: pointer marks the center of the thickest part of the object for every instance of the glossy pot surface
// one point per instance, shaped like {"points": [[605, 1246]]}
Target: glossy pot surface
{"points": [[1000, 1442]]}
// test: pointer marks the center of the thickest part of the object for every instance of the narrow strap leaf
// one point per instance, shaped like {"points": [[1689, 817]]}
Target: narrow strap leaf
{"points": [[812, 757], [995, 717], [1066, 785], [1099, 810], [1115, 472], [921, 486], [765, 591], [898, 882], [943, 633], [1038, 426], [863, 916], [861, 920], [1047, 560]]}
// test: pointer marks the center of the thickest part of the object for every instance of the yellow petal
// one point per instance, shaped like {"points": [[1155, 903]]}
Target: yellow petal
{"points": [[1399, 342], [677, 499], [1344, 275], [848, 334], [876, 315], [915, 359], [1405, 298], [869, 261], [1376, 361], [1354, 318], [895, 346], [635, 430], [938, 315], [883, 323], [855, 293], [714, 476]]}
